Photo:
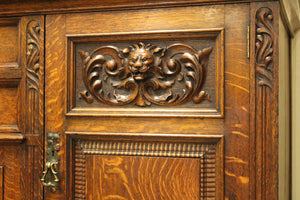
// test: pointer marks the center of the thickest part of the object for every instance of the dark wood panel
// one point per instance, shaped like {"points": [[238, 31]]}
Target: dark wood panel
{"points": [[168, 85]]}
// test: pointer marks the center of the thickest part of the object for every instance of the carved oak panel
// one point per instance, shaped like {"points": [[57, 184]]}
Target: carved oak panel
{"points": [[191, 163], [156, 74]]}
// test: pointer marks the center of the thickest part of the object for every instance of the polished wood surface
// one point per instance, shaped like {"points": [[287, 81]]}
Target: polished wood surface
{"points": [[25, 7], [11, 160], [234, 125], [150, 99]]}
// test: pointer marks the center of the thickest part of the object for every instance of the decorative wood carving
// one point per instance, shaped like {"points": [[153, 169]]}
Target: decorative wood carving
{"points": [[33, 76], [266, 102], [79, 173], [33, 51], [34, 104], [205, 152], [264, 47], [145, 74]]}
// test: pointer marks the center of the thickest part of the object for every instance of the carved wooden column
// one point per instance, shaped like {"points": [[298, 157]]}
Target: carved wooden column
{"points": [[33, 102], [264, 101]]}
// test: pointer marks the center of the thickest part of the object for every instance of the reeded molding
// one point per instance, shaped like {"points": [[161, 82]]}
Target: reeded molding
{"points": [[208, 150]]}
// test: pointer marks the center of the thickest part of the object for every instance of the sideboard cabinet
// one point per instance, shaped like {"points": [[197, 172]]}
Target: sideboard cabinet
{"points": [[139, 99]]}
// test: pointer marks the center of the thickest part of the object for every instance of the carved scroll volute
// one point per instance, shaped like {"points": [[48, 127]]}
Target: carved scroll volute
{"points": [[145, 74]]}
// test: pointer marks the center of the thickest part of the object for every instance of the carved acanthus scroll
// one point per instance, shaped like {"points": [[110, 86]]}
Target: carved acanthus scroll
{"points": [[145, 74], [264, 47], [266, 101], [33, 51]]}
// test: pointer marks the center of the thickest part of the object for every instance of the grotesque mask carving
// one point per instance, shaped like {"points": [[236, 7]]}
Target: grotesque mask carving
{"points": [[140, 61]]}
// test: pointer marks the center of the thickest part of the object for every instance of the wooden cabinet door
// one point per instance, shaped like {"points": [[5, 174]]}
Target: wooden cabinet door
{"points": [[152, 103]]}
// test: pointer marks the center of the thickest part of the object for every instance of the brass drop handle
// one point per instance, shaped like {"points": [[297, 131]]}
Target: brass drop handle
{"points": [[50, 178]]}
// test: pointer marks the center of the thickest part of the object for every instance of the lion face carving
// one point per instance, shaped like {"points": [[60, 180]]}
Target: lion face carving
{"points": [[140, 61]]}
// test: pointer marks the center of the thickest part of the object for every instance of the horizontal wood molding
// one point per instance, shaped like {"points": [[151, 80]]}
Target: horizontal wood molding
{"points": [[11, 137], [16, 7], [10, 72], [10, 133]]}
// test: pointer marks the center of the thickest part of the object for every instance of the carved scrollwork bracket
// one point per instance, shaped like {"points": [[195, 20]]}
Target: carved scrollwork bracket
{"points": [[264, 47], [145, 74]]}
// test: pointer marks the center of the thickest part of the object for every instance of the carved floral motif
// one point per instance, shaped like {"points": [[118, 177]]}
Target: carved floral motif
{"points": [[145, 74], [264, 46]]}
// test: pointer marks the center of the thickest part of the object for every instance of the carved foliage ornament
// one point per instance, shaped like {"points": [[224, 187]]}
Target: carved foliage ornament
{"points": [[33, 48], [264, 47], [145, 74]]}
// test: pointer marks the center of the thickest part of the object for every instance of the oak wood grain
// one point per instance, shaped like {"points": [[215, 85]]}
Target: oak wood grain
{"points": [[236, 103], [129, 178], [207, 151], [248, 123], [11, 158], [55, 93], [8, 101], [9, 41], [264, 99], [31, 112]]}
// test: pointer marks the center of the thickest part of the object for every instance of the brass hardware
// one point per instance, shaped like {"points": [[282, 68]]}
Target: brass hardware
{"points": [[248, 42], [50, 178]]}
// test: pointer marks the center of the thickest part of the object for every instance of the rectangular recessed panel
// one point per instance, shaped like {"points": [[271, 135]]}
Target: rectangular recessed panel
{"points": [[127, 177], [147, 167], [9, 42], [166, 73], [8, 102]]}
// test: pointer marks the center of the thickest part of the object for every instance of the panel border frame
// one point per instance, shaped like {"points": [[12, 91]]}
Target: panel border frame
{"points": [[72, 137], [217, 33]]}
